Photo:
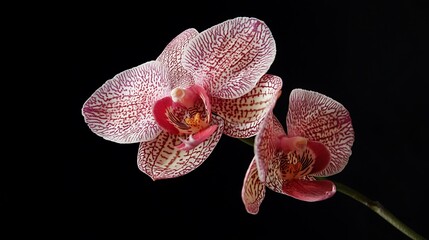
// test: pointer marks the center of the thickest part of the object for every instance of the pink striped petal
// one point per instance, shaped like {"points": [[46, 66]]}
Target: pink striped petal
{"points": [[253, 191], [274, 179], [320, 118], [172, 57], [309, 191], [243, 115], [161, 159], [229, 58], [266, 144], [121, 109]]}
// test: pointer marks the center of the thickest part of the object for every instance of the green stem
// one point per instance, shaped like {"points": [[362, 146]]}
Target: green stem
{"points": [[373, 205], [248, 141], [379, 209]]}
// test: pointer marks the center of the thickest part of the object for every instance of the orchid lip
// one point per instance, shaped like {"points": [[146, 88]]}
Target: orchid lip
{"points": [[298, 158], [185, 111], [297, 164]]}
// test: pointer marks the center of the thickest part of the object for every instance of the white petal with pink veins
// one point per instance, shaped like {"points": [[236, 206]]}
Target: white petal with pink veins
{"points": [[171, 57], [243, 115], [320, 118], [229, 58], [121, 109], [274, 178], [253, 191], [266, 144], [161, 159]]}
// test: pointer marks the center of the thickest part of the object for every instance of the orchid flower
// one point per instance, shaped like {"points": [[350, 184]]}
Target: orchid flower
{"points": [[317, 144], [201, 86]]}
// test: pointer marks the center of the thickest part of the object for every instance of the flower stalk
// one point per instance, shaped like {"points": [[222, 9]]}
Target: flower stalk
{"points": [[379, 209]]}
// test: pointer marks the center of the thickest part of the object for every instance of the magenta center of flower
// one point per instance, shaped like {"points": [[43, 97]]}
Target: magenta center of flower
{"points": [[188, 112], [185, 111], [297, 159]]}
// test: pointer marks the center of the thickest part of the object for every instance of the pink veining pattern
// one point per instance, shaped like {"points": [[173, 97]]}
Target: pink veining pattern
{"points": [[253, 191], [267, 156], [323, 119], [177, 132], [159, 158], [223, 58], [171, 57], [274, 159], [243, 115], [120, 109]]}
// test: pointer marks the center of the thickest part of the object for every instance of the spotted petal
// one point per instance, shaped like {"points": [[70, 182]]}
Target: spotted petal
{"points": [[253, 191], [320, 118], [161, 159], [244, 115], [121, 109], [266, 146], [229, 58], [172, 57], [309, 191]]}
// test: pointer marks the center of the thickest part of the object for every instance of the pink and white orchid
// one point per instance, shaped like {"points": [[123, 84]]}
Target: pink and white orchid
{"points": [[317, 144], [178, 106]]}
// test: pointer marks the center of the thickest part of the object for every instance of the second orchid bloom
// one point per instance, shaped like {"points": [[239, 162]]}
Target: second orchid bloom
{"points": [[317, 144], [201, 86]]}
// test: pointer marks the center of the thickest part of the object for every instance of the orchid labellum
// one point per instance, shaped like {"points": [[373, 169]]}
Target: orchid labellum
{"points": [[178, 106], [317, 144]]}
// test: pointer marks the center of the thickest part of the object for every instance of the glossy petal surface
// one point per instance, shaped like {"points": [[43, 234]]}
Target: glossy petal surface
{"points": [[244, 115], [253, 191], [309, 191], [160, 113], [161, 159], [229, 58], [171, 57], [266, 146], [320, 118], [121, 109], [322, 156]]}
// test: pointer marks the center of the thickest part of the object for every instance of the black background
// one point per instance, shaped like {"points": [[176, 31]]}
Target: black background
{"points": [[370, 56]]}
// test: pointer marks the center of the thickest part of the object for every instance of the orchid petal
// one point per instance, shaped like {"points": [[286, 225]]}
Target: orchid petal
{"points": [[161, 159], [274, 179], [322, 156], [172, 58], [266, 144], [121, 109], [243, 115], [229, 58], [309, 191], [253, 191], [320, 118]]}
